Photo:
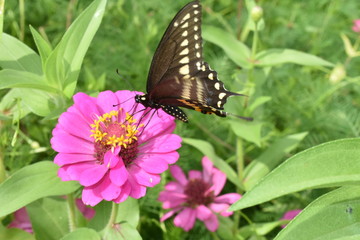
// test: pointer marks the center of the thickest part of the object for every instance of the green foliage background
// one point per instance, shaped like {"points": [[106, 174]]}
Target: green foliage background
{"points": [[303, 99]]}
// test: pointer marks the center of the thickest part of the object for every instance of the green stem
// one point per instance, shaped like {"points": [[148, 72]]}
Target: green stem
{"points": [[240, 158], [114, 212], [255, 42], [22, 19], [214, 236], [71, 211], [2, 169], [2, 3]]}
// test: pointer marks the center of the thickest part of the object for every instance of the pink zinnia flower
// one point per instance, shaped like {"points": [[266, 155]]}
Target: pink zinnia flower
{"points": [[21, 220], [197, 197], [356, 27], [290, 215], [102, 143]]}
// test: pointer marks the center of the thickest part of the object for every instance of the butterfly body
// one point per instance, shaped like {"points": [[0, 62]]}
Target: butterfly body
{"points": [[178, 76]]}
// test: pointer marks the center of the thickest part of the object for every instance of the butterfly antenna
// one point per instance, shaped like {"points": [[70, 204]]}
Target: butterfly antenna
{"points": [[125, 79], [115, 105]]}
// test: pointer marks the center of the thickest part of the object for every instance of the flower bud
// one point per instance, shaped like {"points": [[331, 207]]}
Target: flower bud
{"points": [[256, 13], [337, 74]]}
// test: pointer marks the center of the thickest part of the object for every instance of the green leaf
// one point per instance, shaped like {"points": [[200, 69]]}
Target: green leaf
{"points": [[334, 215], [102, 215], [129, 212], [31, 183], [49, 218], [269, 159], [123, 231], [43, 46], [209, 151], [16, 55], [64, 63], [273, 57], [82, 233], [258, 102], [10, 78], [334, 163], [258, 229], [250, 131], [238, 52], [15, 234]]}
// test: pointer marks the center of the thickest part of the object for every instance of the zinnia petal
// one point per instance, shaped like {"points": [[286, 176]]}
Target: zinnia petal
{"points": [[68, 158], [152, 163], [203, 213], [92, 175], [174, 187], [218, 180], [194, 174], [178, 174], [185, 219], [228, 198], [142, 177], [106, 101], [162, 144], [207, 168], [212, 223]]}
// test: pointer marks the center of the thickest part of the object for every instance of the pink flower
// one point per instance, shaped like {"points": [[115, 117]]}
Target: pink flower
{"points": [[103, 144], [356, 27], [290, 215], [197, 197], [21, 220]]}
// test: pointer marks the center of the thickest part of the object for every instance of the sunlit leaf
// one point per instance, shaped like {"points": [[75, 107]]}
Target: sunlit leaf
{"points": [[82, 233], [16, 55], [31, 183], [273, 57], [334, 163], [250, 131], [270, 158], [334, 215], [236, 50]]}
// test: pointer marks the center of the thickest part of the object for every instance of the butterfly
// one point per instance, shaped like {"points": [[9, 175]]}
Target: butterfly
{"points": [[178, 76]]}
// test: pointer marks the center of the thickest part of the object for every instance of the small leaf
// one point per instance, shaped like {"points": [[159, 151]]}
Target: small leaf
{"points": [[43, 46], [31, 183], [238, 52], [334, 215], [63, 65], [82, 233], [261, 166], [250, 131], [49, 218], [209, 151], [258, 102], [313, 168], [16, 55], [273, 57]]}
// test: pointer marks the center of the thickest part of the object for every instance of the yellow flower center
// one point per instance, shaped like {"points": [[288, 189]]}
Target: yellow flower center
{"points": [[110, 133]]}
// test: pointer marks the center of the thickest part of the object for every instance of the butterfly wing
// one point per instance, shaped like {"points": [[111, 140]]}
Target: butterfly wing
{"points": [[179, 47], [178, 76]]}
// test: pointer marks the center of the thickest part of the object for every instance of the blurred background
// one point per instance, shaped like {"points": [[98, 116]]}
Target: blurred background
{"points": [[321, 101]]}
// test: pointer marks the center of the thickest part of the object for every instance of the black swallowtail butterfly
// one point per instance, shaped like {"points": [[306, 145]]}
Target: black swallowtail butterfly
{"points": [[178, 76]]}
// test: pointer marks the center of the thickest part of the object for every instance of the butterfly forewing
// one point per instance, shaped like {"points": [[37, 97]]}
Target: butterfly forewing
{"points": [[180, 50]]}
